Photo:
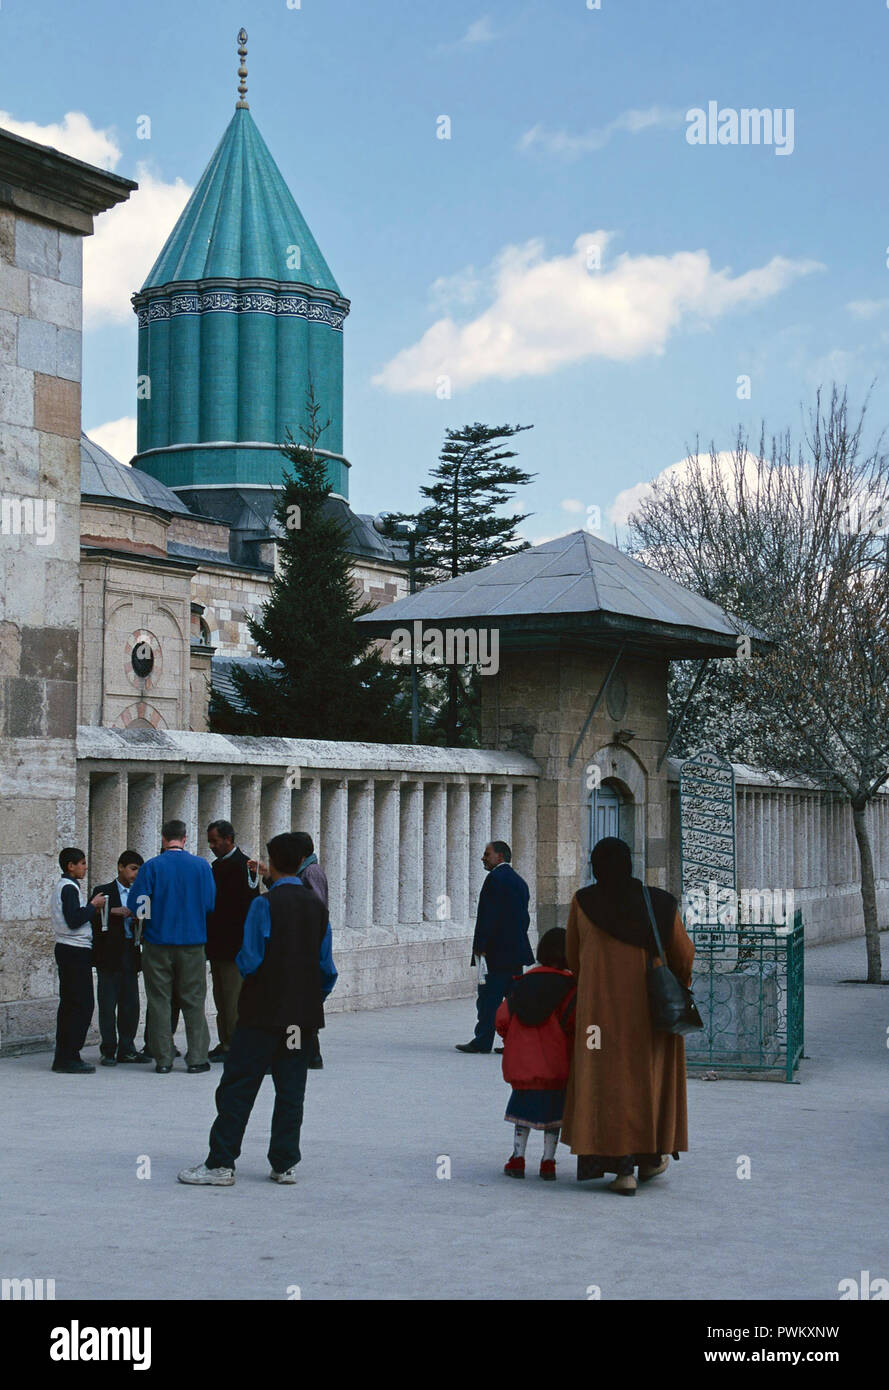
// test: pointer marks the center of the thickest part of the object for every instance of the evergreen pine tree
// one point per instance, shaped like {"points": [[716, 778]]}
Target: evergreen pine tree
{"points": [[464, 529], [327, 681]]}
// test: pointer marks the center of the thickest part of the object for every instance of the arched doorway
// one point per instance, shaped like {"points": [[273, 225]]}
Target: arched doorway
{"points": [[610, 810]]}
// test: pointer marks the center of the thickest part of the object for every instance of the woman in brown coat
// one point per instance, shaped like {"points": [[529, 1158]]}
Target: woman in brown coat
{"points": [[625, 1105]]}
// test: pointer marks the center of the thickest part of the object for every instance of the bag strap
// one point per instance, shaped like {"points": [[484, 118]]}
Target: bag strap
{"points": [[657, 936]]}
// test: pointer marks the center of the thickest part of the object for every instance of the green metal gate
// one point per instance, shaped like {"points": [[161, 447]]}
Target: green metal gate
{"points": [[748, 985]]}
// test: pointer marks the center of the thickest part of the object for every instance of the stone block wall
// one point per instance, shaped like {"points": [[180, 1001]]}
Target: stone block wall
{"points": [[134, 528], [196, 531], [378, 583], [40, 295], [230, 597]]}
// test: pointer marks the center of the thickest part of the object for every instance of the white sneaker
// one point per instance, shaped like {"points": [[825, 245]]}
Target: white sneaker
{"points": [[202, 1176], [289, 1176]]}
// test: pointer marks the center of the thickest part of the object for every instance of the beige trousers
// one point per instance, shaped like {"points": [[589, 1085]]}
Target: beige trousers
{"points": [[183, 969], [227, 980]]}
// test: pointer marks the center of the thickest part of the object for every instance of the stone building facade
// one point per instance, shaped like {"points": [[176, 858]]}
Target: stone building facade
{"points": [[155, 575]]}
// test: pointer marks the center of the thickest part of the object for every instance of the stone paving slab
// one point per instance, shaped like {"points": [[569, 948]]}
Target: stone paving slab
{"points": [[369, 1218]]}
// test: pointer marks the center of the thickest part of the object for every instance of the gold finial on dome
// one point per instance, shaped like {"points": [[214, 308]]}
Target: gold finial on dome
{"points": [[242, 71]]}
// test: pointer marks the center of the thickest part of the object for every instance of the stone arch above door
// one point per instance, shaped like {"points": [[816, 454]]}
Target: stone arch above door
{"points": [[621, 771]]}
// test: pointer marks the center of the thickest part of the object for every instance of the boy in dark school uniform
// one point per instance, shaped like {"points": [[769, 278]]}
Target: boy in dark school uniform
{"points": [[116, 958], [72, 919], [287, 964]]}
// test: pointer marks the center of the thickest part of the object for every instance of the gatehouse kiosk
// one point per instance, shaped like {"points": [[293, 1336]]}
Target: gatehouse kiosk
{"points": [[585, 635]]}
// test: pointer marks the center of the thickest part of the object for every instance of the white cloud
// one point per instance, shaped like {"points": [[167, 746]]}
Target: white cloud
{"points": [[117, 436], [542, 540], [867, 308], [459, 289], [627, 501], [128, 238], [549, 313], [75, 135], [126, 243], [481, 31], [632, 122], [571, 504]]}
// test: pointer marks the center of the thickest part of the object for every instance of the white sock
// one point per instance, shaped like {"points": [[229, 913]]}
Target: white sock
{"points": [[550, 1143], [520, 1143]]}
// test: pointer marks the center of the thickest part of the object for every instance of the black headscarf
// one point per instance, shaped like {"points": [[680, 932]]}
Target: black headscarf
{"points": [[615, 902]]}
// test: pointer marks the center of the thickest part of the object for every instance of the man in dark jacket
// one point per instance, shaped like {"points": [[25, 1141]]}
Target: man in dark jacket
{"points": [[287, 964], [225, 928], [500, 945], [116, 958]]}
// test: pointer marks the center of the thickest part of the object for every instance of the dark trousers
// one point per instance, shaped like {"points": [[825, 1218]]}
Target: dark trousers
{"points": [[490, 997], [313, 1045], [76, 1001], [253, 1053], [118, 996]]}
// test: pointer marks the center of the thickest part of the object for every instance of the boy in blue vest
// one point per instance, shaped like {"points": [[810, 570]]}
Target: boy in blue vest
{"points": [[287, 964]]}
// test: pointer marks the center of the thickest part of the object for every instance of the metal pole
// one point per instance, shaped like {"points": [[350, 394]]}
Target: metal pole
{"points": [[602, 688], [674, 730]]}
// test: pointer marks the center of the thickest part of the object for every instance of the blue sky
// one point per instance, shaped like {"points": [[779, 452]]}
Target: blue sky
{"points": [[470, 257]]}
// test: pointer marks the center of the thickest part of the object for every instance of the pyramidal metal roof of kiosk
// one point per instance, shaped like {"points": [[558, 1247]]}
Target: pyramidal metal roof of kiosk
{"points": [[574, 590]]}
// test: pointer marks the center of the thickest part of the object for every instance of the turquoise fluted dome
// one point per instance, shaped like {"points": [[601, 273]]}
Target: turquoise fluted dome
{"points": [[238, 317], [241, 221]]}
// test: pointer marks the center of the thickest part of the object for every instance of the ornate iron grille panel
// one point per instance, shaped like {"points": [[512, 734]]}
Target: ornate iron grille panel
{"points": [[750, 997]]}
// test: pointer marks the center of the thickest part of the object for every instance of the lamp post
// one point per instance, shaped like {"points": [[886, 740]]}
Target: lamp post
{"points": [[412, 532]]}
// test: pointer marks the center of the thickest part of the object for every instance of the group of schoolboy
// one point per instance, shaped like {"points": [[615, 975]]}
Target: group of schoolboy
{"points": [[271, 967]]}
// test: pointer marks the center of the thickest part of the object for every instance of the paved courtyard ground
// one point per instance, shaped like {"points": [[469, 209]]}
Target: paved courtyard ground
{"points": [[369, 1218]]}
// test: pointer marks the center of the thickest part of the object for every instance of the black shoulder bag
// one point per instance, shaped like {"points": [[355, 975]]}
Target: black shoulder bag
{"points": [[673, 1009]]}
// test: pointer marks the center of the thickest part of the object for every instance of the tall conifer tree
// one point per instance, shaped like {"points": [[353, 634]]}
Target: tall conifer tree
{"points": [[327, 681], [465, 529]]}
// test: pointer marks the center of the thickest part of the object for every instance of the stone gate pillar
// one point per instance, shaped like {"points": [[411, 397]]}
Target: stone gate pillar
{"points": [[539, 707]]}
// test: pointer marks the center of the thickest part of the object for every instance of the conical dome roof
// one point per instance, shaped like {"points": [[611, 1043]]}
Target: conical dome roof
{"points": [[242, 222]]}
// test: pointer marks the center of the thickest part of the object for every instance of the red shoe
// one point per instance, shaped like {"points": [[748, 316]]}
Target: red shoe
{"points": [[548, 1169], [515, 1168]]}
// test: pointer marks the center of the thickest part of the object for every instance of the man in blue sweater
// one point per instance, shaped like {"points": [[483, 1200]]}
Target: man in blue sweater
{"points": [[500, 946], [171, 897]]}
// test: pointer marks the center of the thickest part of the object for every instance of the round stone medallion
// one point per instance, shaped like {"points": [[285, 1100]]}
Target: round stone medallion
{"points": [[143, 659]]}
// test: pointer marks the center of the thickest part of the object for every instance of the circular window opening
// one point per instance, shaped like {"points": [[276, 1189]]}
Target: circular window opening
{"points": [[142, 659]]}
